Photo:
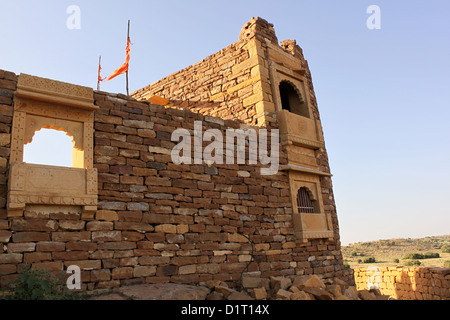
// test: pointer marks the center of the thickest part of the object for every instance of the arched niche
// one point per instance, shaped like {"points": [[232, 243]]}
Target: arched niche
{"points": [[44, 103], [52, 145], [291, 99]]}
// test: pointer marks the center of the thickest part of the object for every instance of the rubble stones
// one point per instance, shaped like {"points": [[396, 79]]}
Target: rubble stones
{"points": [[313, 287], [317, 289]]}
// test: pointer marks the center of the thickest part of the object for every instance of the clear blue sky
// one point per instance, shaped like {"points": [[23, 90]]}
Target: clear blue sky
{"points": [[383, 94]]}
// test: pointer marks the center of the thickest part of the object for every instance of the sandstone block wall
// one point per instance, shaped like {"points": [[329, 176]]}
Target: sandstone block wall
{"points": [[407, 283], [157, 221], [216, 86]]}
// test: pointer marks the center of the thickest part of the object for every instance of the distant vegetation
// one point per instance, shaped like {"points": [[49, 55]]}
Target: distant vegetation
{"points": [[428, 252], [369, 260], [412, 262], [428, 255]]}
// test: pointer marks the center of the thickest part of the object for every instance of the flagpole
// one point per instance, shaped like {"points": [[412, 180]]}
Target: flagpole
{"points": [[98, 77], [128, 35]]}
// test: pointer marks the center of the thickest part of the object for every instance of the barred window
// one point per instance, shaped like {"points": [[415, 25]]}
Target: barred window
{"points": [[304, 202]]}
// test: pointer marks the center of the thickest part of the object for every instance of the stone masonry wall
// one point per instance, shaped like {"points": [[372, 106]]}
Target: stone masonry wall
{"points": [[157, 221], [215, 86], [8, 84], [407, 283]]}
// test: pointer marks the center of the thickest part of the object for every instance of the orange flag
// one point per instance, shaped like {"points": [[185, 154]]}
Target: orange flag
{"points": [[124, 67]]}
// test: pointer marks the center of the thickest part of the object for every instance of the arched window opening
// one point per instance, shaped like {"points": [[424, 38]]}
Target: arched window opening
{"points": [[304, 202], [291, 100], [53, 147]]}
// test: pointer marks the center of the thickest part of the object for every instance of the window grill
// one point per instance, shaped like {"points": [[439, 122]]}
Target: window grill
{"points": [[304, 202]]}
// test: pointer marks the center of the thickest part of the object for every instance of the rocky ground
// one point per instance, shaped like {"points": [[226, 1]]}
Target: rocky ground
{"points": [[309, 287]]}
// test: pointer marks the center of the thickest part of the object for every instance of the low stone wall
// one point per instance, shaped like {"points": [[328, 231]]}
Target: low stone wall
{"points": [[406, 283]]}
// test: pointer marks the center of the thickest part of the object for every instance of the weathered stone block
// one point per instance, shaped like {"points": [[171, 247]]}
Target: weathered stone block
{"points": [[301, 295], [106, 215], [70, 255], [251, 282], [106, 236], [81, 246], [5, 235], [175, 238], [138, 124], [260, 293], [113, 205], [71, 224], [144, 271], [188, 269], [34, 225], [166, 228], [30, 236], [277, 283], [137, 206], [122, 273], [11, 258], [49, 246], [7, 269], [153, 260], [99, 226], [64, 236], [48, 266], [100, 275], [308, 281], [21, 247], [283, 294]]}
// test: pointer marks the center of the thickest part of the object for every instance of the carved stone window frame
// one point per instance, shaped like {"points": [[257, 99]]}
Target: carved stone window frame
{"points": [[298, 83], [317, 225], [40, 103]]}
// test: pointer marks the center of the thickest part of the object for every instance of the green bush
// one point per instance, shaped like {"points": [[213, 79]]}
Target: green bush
{"points": [[353, 253], [369, 260], [39, 285], [445, 249], [447, 264], [431, 255], [413, 256], [413, 262], [428, 255], [396, 260]]}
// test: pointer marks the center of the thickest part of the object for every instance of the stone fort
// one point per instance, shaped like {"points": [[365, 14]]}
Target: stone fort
{"points": [[125, 213]]}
